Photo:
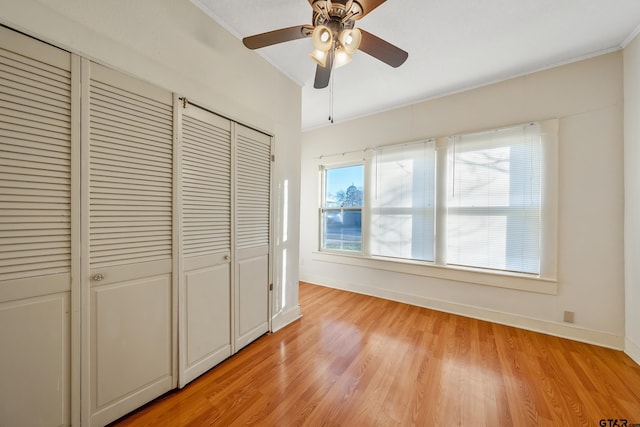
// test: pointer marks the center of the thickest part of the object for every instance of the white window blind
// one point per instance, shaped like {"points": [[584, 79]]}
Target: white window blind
{"points": [[402, 213], [494, 199]]}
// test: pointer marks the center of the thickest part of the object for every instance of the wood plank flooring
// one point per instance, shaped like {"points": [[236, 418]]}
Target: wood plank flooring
{"points": [[354, 360]]}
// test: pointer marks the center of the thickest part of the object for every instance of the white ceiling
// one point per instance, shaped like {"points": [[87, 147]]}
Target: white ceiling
{"points": [[453, 45]]}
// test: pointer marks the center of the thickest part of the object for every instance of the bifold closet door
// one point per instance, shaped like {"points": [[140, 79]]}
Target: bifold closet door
{"points": [[128, 307], [37, 223], [205, 287], [252, 234]]}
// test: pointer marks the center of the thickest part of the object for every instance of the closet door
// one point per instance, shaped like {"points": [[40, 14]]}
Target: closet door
{"points": [[252, 234], [205, 289], [128, 322], [37, 223]]}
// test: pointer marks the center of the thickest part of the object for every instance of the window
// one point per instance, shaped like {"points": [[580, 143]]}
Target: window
{"points": [[483, 200], [402, 206], [341, 212], [494, 199]]}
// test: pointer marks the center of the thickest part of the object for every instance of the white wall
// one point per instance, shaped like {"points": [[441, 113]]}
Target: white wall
{"points": [[632, 196], [174, 45], [587, 98]]}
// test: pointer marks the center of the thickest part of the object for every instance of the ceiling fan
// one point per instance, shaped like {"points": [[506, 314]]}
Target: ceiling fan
{"points": [[334, 37]]}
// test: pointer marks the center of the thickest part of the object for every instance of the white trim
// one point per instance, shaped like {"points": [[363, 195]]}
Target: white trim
{"points": [[285, 318], [178, 325], [272, 233], [588, 336], [487, 278], [632, 350], [85, 291], [76, 241], [630, 37]]}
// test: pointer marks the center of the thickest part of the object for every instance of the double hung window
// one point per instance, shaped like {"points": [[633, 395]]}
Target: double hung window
{"points": [[341, 212]]}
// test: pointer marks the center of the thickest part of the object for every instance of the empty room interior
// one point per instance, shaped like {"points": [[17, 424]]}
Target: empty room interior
{"points": [[319, 213]]}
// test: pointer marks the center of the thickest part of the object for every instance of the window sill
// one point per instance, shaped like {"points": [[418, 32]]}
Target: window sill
{"points": [[521, 282]]}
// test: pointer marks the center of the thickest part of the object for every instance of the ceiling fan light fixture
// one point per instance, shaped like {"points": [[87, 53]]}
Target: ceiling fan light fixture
{"points": [[320, 57], [341, 58], [350, 39], [322, 38]]}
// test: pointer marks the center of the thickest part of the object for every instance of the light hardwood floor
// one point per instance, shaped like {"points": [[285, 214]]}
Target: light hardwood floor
{"points": [[354, 360]]}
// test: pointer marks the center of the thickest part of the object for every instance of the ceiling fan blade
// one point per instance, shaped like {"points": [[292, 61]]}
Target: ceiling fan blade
{"points": [[277, 36], [382, 50], [368, 6], [323, 74]]}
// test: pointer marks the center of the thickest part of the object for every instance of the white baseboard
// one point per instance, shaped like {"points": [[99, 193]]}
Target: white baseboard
{"points": [[633, 350], [575, 333], [284, 318]]}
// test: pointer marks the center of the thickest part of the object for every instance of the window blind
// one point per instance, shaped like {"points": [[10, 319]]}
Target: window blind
{"points": [[494, 199], [402, 214]]}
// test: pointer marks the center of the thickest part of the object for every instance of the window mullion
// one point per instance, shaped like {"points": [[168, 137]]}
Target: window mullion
{"points": [[369, 186], [440, 238]]}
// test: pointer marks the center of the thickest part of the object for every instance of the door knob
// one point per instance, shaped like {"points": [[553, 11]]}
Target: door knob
{"points": [[227, 258], [98, 277]]}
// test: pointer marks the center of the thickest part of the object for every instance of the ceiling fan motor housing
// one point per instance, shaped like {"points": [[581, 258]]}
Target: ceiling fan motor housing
{"points": [[337, 15]]}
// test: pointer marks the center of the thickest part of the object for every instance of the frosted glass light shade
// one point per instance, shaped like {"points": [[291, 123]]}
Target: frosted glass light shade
{"points": [[342, 57], [322, 38], [350, 40], [320, 57]]}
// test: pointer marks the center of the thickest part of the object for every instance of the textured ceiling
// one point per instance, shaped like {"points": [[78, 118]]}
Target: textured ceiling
{"points": [[453, 45]]}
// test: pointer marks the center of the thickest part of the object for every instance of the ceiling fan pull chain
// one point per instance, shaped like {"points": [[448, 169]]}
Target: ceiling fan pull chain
{"points": [[331, 92]]}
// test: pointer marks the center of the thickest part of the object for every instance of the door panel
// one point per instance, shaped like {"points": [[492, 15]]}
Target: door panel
{"points": [[253, 296], [36, 227], [252, 234], [132, 334], [35, 361], [205, 288], [208, 320], [128, 260]]}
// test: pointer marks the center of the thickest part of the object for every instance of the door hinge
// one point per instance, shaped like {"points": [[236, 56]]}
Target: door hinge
{"points": [[273, 157], [270, 286]]}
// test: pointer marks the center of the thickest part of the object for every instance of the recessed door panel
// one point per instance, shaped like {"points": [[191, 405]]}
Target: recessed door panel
{"points": [[252, 274], [208, 314], [35, 361], [132, 329]]}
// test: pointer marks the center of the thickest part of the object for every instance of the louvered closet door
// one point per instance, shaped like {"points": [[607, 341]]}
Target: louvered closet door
{"points": [[205, 308], [128, 221], [252, 234], [35, 232]]}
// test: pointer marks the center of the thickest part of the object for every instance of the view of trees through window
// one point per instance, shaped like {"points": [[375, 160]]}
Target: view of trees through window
{"points": [[342, 208]]}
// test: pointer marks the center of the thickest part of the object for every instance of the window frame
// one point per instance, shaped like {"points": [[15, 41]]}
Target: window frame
{"points": [[482, 204], [374, 209], [323, 208], [545, 282]]}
